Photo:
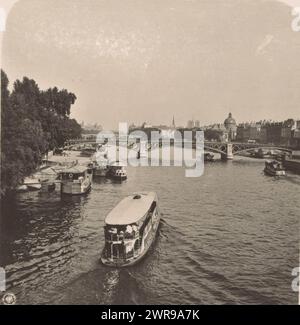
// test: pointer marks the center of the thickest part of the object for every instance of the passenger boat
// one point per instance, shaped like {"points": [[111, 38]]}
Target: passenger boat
{"points": [[116, 171], [75, 180], [130, 229], [274, 168]]}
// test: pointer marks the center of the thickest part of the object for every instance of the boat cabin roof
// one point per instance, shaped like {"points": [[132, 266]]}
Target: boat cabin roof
{"points": [[117, 164], [131, 209], [74, 170], [273, 162]]}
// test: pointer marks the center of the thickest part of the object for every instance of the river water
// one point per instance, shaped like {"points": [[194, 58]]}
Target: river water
{"points": [[228, 237]]}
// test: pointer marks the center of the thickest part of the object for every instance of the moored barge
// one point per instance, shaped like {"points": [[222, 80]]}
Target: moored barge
{"points": [[75, 180]]}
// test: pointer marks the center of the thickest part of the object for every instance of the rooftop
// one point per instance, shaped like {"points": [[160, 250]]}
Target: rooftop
{"points": [[229, 120], [75, 169]]}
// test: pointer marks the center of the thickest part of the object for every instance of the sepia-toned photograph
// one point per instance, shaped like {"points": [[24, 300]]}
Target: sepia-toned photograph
{"points": [[150, 154]]}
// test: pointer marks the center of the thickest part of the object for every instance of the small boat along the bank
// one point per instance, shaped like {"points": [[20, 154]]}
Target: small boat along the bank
{"points": [[208, 157], [75, 180], [116, 171], [274, 168], [21, 188], [130, 229], [31, 183]]}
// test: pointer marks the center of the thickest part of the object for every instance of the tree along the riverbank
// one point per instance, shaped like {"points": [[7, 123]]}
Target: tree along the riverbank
{"points": [[32, 122]]}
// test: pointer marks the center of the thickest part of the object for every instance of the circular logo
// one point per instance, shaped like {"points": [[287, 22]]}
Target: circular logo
{"points": [[9, 299]]}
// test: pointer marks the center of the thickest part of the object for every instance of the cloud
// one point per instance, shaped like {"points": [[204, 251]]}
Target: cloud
{"points": [[291, 3]]}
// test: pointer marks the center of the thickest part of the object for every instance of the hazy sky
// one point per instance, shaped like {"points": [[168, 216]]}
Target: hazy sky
{"points": [[148, 60]]}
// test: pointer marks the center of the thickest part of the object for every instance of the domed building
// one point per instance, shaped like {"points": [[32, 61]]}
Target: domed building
{"points": [[231, 127]]}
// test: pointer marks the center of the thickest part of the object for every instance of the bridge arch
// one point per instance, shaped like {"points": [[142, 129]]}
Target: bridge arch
{"points": [[242, 150], [221, 149]]}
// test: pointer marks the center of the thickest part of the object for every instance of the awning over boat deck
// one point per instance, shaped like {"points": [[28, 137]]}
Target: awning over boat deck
{"points": [[131, 209]]}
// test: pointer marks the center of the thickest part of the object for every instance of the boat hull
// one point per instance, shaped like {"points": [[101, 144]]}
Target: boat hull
{"points": [[48, 187], [118, 178], [100, 172], [116, 172], [75, 191], [34, 187], [274, 172], [22, 188], [138, 258]]}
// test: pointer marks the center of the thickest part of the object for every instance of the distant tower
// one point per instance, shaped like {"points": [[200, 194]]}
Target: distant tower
{"points": [[173, 123]]}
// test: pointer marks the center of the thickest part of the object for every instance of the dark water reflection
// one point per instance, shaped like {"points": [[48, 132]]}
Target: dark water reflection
{"points": [[230, 236]]}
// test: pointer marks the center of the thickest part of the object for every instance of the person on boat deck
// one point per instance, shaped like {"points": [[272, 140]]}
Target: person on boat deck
{"points": [[129, 229]]}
